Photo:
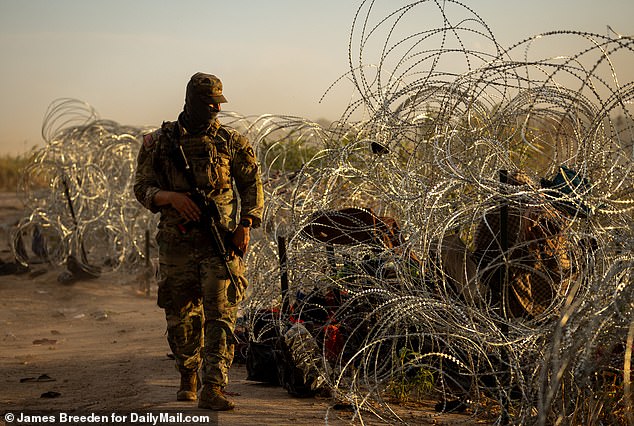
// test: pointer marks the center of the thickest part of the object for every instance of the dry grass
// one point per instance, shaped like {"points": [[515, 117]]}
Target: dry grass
{"points": [[11, 168], [11, 173]]}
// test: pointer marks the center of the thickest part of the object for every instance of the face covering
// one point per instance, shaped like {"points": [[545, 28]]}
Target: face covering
{"points": [[202, 97]]}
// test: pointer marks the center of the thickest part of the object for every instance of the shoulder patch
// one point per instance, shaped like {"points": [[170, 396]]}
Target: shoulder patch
{"points": [[149, 139]]}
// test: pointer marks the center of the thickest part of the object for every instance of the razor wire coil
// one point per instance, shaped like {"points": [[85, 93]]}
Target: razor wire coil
{"points": [[433, 122]]}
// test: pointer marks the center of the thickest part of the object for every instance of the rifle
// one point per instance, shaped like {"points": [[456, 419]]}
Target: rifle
{"points": [[210, 217]]}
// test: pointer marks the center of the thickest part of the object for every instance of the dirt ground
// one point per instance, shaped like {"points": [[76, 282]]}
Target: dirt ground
{"points": [[99, 346]]}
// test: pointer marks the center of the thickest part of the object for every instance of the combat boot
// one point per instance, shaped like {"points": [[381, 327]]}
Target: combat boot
{"points": [[212, 398], [188, 389]]}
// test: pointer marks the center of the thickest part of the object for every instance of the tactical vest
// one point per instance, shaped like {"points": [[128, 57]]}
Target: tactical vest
{"points": [[210, 157]]}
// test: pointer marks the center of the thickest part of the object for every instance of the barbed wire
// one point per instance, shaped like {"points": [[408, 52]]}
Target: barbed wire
{"points": [[393, 218]]}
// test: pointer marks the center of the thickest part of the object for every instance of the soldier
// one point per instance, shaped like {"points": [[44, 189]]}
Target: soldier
{"points": [[538, 255], [200, 298]]}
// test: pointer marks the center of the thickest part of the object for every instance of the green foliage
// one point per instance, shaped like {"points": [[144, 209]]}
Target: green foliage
{"points": [[286, 155], [411, 382]]}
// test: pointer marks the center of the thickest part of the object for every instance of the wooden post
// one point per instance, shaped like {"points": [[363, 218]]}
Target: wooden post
{"points": [[503, 296], [281, 249], [149, 271], [147, 248], [504, 245], [332, 262]]}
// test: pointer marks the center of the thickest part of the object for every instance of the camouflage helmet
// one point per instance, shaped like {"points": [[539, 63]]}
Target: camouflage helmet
{"points": [[206, 87]]}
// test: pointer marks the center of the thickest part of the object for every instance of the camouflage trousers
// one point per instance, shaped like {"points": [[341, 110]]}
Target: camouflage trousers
{"points": [[200, 303]]}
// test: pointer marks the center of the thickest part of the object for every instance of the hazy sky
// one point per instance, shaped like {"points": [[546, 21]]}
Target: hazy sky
{"points": [[131, 59]]}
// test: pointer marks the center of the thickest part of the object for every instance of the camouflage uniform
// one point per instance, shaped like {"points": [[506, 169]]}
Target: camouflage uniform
{"points": [[539, 256], [199, 300]]}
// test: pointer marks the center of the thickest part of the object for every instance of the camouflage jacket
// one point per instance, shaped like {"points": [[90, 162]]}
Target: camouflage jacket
{"points": [[539, 256], [219, 159]]}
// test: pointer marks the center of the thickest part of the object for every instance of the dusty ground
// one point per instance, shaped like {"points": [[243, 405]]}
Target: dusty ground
{"points": [[98, 346]]}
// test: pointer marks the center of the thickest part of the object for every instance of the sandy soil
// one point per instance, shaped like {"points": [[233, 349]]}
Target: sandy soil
{"points": [[99, 346]]}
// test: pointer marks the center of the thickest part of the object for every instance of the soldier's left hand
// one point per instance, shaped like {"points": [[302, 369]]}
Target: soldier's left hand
{"points": [[241, 238]]}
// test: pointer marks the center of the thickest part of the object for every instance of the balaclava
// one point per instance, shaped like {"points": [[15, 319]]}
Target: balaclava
{"points": [[203, 90]]}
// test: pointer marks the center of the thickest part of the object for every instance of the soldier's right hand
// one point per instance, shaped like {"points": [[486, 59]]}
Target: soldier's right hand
{"points": [[185, 206], [181, 202]]}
